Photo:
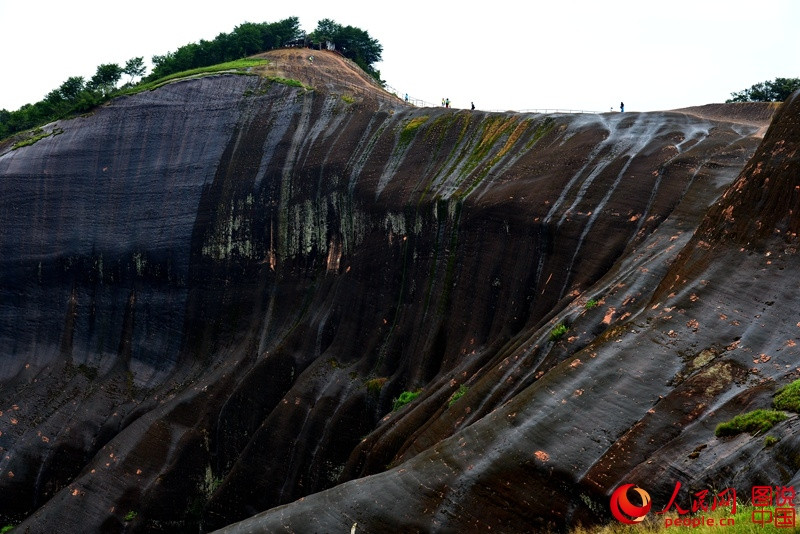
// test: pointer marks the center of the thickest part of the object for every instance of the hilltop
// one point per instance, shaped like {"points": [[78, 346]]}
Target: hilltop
{"points": [[322, 70], [215, 292]]}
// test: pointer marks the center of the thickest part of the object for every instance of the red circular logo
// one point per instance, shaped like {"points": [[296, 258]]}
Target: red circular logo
{"points": [[624, 510]]}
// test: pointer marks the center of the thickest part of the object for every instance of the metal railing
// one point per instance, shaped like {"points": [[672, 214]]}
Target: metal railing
{"points": [[557, 111], [423, 104]]}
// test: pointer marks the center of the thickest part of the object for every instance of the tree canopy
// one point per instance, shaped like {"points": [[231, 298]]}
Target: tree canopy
{"points": [[353, 43], [77, 95], [245, 40], [135, 67], [106, 78], [777, 90]]}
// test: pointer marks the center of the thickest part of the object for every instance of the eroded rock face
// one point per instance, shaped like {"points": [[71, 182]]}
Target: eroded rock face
{"points": [[212, 293]]}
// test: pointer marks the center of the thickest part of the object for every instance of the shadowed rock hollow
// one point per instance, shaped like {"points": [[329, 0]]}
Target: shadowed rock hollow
{"points": [[211, 293]]}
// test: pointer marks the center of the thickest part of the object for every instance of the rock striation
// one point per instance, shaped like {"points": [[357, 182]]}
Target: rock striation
{"points": [[212, 293]]}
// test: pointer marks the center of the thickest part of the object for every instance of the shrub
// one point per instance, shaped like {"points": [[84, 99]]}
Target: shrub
{"points": [[753, 422], [130, 516], [558, 332], [769, 441], [458, 394], [788, 397], [591, 303], [404, 398]]}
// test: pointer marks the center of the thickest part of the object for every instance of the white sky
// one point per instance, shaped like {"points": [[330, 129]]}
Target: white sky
{"points": [[501, 54]]}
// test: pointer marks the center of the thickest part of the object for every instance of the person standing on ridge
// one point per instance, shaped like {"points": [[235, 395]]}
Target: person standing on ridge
{"points": [[473, 106], [622, 107]]}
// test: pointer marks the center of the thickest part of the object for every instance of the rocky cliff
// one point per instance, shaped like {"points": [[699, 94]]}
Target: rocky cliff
{"points": [[212, 293]]}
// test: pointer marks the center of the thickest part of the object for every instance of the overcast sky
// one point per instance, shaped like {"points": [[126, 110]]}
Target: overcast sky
{"points": [[503, 55]]}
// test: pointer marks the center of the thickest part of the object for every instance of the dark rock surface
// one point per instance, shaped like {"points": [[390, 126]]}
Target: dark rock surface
{"points": [[210, 295]]}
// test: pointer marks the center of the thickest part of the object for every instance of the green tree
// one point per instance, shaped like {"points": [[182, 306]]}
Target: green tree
{"points": [[245, 40], [248, 39], [777, 90], [327, 30], [134, 67], [353, 43], [106, 78], [71, 88], [5, 118]]}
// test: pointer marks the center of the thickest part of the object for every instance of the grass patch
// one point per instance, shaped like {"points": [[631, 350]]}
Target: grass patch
{"points": [[130, 516], [348, 99], [754, 422], [558, 332], [404, 398], [769, 441], [788, 397], [591, 303], [7, 528], [38, 135], [240, 66], [458, 394]]}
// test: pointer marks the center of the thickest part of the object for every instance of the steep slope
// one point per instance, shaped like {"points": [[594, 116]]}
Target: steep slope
{"points": [[212, 292], [716, 338]]}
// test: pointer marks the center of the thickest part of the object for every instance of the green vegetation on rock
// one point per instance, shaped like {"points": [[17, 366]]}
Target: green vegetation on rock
{"points": [[404, 398], [240, 66], [410, 130], [788, 397], [458, 394], [558, 332], [38, 135], [376, 384], [754, 422]]}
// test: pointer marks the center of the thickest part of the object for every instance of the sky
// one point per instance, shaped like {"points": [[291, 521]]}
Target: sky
{"points": [[502, 55]]}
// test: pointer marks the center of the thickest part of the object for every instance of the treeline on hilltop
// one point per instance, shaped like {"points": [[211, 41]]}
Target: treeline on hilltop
{"points": [[245, 40], [777, 90], [78, 95]]}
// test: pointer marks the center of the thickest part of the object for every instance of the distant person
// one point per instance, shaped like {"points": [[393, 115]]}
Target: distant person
{"points": [[622, 107], [473, 106], [442, 102], [406, 97], [447, 102]]}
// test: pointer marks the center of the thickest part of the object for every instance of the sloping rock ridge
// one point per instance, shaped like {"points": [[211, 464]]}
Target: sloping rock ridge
{"points": [[212, 293]]}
